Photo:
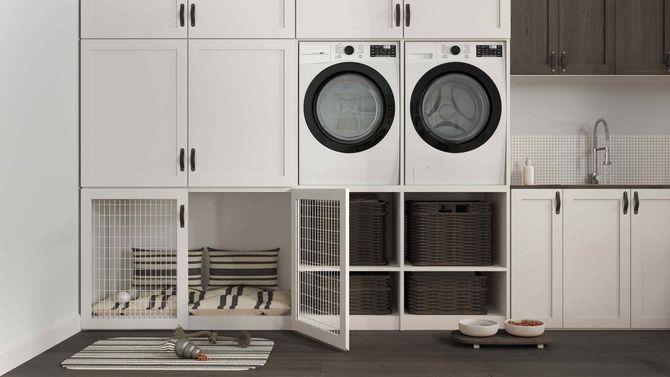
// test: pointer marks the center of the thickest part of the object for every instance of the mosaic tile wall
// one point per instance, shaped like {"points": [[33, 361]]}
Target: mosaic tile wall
{"points": [[568, 159]]}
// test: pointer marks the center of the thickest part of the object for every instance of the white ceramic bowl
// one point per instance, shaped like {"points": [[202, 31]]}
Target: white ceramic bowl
{"points": [[524, 331], [479, 328]]}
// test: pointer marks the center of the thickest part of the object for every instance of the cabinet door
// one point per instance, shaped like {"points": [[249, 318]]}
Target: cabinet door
{"points": [[650, 259], [320, 305], [642, 37], [534, 37], [266, 19], [119, 226], [133, 113], [537, 256], [596, 256], [349, 19], [243, 120], [457, 19], [133, 19], [587, 37]]}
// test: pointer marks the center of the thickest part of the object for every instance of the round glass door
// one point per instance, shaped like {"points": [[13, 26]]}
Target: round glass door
{"points": [[456, 107], [349, 107]]}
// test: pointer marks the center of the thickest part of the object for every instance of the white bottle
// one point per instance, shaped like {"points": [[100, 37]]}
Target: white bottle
{"points": [[528, 173]]}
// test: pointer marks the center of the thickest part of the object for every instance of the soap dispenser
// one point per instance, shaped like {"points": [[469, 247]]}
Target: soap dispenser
{"points": [[528, 173]]}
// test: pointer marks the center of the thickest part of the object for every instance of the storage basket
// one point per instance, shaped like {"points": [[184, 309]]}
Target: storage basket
{"points": [[442, 233], [370, 232], [370, 294], [445, 293]]}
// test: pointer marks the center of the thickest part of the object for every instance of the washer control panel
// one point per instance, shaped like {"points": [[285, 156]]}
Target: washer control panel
{"points": [[492, 51], [388, 51]]}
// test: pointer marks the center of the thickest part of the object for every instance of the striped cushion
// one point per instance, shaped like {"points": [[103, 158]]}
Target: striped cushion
{"points": [[154, 268], [195, 268], [256, 268]]}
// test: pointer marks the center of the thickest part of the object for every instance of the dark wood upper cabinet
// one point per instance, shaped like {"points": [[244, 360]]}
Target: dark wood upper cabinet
{"points": [[643, 37], [586, 37], [534, 45]]}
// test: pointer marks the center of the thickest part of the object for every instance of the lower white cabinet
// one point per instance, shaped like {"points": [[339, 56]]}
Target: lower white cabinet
{"points": [[242, 131], [596, 257], [537, 256], [650, 262]]}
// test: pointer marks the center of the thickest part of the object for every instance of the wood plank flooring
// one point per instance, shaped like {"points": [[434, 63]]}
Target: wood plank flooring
{"points": [[416, 354]]}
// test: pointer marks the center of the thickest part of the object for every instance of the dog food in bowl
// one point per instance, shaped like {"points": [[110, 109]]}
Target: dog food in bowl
{"points": [[526, 328]]}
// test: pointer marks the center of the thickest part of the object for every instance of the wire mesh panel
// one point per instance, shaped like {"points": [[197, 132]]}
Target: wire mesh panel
{"points": [[319, 261], [134, 258]]}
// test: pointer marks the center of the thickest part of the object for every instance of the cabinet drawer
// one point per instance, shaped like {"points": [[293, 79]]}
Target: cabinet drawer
{"points": [[133, 19]]}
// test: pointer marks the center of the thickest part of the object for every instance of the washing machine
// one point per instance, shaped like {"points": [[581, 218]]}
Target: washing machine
{"points": [[456, 113], [349, 131]]}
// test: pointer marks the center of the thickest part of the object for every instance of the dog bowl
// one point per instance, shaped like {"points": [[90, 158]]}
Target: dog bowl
{"points": [[517, 328], [479, 328]]}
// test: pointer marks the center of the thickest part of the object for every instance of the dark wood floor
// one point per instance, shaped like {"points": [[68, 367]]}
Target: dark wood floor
{"points": [[419, 354]]}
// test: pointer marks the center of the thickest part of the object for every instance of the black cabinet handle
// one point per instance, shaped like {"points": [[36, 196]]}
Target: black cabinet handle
{"points": [[397, 15], [558, 202], [192, 15], [182, 159], [182, 222], [636, 199], [408, 16], [564, 60], [625, 202], [192, 159], [552, 61], [182, 15]]}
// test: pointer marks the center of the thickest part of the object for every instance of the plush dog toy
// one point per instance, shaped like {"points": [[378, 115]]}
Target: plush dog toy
{"points": [[183, 347]]}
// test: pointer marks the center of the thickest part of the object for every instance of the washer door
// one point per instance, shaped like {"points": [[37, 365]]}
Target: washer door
{"points": [[349, 107], [456, 107]]}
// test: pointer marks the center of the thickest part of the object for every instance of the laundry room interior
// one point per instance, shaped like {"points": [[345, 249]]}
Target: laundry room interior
{"points": [[335, 188]]}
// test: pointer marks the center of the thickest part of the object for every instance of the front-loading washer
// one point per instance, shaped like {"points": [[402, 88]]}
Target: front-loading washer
{"points": [[455, 113], [349, 132]]}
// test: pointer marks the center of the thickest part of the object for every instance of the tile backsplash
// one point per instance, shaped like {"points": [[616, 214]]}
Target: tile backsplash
{"points": [[567, 159]]}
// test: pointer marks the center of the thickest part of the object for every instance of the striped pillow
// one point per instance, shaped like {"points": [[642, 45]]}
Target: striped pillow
{"points": [[154, 268], [255, 268], [195, 269]]}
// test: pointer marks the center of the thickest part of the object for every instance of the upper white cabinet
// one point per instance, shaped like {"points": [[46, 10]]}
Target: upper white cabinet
{"points": [[266, 19], [133, 19], [413, 19], [596, 255], [650, 260], [133, 113], [537, 256], [242, 118], [457, 19], [349, 19]]}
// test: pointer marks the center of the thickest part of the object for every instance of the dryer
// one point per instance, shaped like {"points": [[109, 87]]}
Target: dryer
{"points": [[349, 131], [456, 113]]}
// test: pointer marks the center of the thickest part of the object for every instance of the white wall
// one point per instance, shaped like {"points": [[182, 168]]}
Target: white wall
{"points": [[38, 170], [571, 105]]}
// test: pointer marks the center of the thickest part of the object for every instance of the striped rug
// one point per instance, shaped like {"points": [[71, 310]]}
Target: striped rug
{"points": [[144, 353]]}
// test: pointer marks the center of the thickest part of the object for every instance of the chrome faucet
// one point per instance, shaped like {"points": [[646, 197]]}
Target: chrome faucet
{"points": [[596, 149]]}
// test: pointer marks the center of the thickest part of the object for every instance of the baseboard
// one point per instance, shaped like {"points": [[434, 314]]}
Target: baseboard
{"points": [[24, 351]]}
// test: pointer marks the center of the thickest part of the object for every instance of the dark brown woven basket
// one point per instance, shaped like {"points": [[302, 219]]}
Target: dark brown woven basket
{"points": [[370, 294], [446, 293], [449, 233], [370, 232]]}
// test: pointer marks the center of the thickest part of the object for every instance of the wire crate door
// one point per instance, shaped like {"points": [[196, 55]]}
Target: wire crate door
{"points": [[321, 265]]}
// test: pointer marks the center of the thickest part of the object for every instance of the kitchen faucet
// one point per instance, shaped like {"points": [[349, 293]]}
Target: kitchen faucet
{"points": [[596, 149]]}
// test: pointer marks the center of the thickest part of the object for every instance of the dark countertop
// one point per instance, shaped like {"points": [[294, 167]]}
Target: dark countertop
{"points": [[585, 186]]}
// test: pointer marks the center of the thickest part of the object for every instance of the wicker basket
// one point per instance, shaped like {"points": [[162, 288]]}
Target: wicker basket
{"points": [[370, 232], [446, 293], [449, 233], [370, 294]]}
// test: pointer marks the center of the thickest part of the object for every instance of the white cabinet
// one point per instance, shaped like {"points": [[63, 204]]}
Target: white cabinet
{"points": [[391, 19], [537, 256], [267, 19], [596, 256], [133, 19], [650, 260], [349, 19], [133, 113], [457, 19], [242, 118]]}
